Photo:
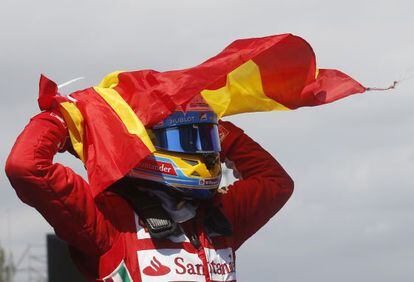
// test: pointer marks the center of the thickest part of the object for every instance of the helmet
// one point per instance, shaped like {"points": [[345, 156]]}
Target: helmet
{"points": [[187, 156]]}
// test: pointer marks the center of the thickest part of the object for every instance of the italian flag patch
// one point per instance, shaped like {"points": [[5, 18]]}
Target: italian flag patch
{"points": [[121, 274]]}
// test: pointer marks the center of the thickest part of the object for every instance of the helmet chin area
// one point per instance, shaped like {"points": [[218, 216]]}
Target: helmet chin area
{"points": [[188, 176], [178, 193]]}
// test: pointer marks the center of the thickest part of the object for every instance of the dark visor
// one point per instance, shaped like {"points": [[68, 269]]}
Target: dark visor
{"points": [[191, 138]]}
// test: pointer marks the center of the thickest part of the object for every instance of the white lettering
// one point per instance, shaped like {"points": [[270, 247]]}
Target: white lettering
{"points": [[178, 262], [186, 266], [181, 120], [155, 167]]}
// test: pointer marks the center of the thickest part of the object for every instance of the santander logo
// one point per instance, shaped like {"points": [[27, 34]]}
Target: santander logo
{"points": [[181, 265], [153, 165], [156, 268]]}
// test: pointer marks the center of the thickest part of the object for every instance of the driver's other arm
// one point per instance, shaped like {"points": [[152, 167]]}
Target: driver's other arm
{"points": [[261, 192], [56, 191]]}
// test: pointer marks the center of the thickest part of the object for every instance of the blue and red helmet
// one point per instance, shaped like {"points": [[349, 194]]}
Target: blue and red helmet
{"points": [[187, 157]]}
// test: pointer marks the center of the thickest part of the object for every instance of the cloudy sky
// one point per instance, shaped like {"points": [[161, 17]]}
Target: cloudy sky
{"points": [[352, 213]]}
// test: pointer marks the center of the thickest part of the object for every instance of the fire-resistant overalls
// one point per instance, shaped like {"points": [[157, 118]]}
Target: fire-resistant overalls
{"points": [[107, 239]]}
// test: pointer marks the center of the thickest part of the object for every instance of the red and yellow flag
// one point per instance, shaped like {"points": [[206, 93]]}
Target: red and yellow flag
{"points": [[107, 123]]}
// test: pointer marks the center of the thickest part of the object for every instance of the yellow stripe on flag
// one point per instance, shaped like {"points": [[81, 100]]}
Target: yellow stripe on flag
{"points": [[74, 120], [125, 113], [242, 93]]}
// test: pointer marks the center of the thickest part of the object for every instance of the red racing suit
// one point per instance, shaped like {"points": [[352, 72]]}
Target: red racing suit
{"points": [[107, 239]]}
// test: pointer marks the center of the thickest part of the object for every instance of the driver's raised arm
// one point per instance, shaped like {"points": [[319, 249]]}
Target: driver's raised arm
{"points": [[56, 191], [263, 188]]}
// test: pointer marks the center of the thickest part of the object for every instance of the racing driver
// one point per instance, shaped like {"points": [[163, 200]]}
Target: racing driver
{"points": [[168, 219]]}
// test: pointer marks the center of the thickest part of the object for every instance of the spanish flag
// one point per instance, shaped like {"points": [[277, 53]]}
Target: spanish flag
{"points": [[107, 123]]}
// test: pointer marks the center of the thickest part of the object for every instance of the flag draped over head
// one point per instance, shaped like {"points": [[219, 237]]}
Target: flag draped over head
{"points": [[107, 123]]}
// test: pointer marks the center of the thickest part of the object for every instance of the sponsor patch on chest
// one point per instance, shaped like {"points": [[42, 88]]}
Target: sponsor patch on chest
{"points": [[181, 265]]}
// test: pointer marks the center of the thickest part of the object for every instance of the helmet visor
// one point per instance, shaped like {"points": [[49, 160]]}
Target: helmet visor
{"points": [[191, 138]]}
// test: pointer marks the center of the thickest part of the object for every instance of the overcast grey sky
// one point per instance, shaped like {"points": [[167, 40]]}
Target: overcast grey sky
{"points": [[351, 215]]}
